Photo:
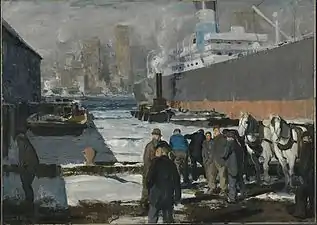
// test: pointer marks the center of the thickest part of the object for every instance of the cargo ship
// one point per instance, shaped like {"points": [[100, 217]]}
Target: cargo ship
{"points": [[238, 71]]}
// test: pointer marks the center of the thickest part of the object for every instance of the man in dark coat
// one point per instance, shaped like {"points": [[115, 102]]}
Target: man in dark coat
{"points": [[232, 155], [208, 159], [217, 166], [195, 150], [163, 183], [28, 162], [149, 154], [304, 198]]}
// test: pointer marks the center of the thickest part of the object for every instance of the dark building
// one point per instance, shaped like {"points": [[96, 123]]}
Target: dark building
{"points": [[21, 68]]}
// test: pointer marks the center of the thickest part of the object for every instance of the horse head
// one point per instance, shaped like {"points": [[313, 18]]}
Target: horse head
{"points": [[243, 123], [278, 127]]}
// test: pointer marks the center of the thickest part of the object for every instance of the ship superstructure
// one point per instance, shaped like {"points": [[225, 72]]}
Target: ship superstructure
{"points": [[207, 45]]}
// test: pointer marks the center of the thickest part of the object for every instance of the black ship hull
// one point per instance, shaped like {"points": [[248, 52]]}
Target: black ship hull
{"points": [[279, 80]]}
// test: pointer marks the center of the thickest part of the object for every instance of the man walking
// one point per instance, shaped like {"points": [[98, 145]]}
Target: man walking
{"points": [[163, 183], [208, 159], [149, 154], [218, 164], [195, 148], [179, 147]]}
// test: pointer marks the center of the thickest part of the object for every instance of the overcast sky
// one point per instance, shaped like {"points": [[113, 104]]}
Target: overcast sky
{"points": [[44, 22]]}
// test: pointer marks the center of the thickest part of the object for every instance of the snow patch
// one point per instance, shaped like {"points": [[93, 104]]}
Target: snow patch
{"points": [[104, 189], [278, 196], [49, 192]]}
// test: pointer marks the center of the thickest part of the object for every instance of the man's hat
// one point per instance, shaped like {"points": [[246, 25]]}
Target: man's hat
{"points": [[156, 131]]}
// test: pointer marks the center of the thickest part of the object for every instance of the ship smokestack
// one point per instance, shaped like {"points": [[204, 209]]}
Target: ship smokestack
{"points": [[159, 90], [208, 20]]}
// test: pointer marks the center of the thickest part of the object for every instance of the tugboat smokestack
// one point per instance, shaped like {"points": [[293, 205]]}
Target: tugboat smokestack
{"points": [[159, 90]]}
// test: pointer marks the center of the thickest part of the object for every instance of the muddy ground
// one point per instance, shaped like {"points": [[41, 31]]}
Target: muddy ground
{"points": [[252, 210], [199, 209]]}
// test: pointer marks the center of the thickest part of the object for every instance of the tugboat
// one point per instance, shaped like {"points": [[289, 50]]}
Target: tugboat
{"points": [[58, 118], [159, 111]]}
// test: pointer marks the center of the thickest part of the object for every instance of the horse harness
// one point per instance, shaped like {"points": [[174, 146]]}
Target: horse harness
{"points": [[287, 132], [256, 129]]}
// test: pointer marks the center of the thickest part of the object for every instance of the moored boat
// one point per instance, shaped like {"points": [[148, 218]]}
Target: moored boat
{"points": [[58, 119]]}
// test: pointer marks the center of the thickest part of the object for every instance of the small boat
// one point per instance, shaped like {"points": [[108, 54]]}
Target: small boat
{"points": [[58, 123]]}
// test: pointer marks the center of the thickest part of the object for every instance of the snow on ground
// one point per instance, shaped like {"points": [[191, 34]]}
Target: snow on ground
{"points": [[131, 220], [120, 187], [51, 189], [278, 196], [105, 189]]}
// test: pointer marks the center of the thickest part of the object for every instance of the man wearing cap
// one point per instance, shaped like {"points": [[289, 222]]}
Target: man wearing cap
{"points": [[149, 154], [179, 147]]}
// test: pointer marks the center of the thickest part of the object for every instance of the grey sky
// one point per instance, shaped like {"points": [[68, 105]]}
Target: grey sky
{"points": [[44, 22]]}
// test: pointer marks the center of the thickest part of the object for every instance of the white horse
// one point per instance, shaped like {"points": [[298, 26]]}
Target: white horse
{"points": [[286, 140], [258, 142]]}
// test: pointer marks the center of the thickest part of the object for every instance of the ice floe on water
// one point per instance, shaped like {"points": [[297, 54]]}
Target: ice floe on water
{"points": [[127, 137]]}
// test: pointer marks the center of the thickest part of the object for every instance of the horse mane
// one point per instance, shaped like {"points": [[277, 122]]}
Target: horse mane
{"points": [[244, 115]]}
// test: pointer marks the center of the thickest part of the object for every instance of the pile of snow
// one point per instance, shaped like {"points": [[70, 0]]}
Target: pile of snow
{"points": [[104, 189], [49, 192], [120, 187], [277, 196]]}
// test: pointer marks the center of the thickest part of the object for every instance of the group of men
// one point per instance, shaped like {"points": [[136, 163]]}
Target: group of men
{"points": [[165, 164]]}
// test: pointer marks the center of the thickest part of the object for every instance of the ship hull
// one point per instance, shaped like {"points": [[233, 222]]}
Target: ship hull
{"points": [[279, 80]]}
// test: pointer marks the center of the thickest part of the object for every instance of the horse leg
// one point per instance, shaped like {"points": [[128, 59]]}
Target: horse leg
{"points": [[291, 159], [256, 164], [267, 155], [283, 163]]}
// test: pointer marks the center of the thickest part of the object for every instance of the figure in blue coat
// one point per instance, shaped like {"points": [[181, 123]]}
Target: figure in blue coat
{"points": [[179, 147]]}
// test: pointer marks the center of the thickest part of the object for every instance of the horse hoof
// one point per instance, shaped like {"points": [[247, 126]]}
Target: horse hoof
{"points": [[266, 182], [287, 190]]}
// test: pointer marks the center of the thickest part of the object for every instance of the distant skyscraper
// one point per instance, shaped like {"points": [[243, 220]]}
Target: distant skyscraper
{"points": [[123, 57], [91, 63]]}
